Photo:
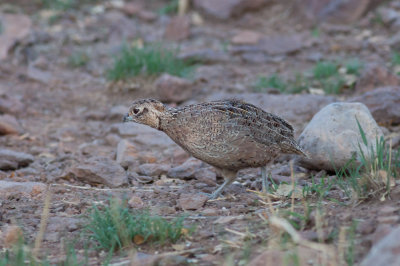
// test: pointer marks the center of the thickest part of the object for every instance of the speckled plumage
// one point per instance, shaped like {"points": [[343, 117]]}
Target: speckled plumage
{"points": [[229, 135]]}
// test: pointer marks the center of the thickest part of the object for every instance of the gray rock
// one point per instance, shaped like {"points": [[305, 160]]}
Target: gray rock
{"points": [[297, 109], [332, 136], [153, 169], [10, 105], [225, 9], [384, 104], [100, 170], [173, 89], [386, 251], [186, 170], [9, 125], [11, 160], [14, 28], [30, 188], [126, 153]]}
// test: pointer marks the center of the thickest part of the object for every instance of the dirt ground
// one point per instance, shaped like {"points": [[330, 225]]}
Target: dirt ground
{"points": [[65, 114]]}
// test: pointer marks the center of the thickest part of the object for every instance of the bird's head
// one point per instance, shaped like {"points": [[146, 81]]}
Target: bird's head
{"points": [[147, 112]]}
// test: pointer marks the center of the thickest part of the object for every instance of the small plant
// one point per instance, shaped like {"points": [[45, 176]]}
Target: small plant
{"points": [[396, 58], [115, 226], [321, 189], [78, 59], [351, 233], [323, 70], [170, 8], [273, 81], [353, 66], [149, 60], [374, 171]]}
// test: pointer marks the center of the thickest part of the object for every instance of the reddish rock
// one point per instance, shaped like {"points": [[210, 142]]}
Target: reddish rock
{"points": [[178, 28], [225, 9], [185, 171], [173, 89], [153, 169], [386, 251], [206, 175], [147, 15], [383, 103], [100, 170], [12, 234], [132, 8], [27, 188], [334, 11], [192, 201], [246, 37], [375, 76], [274, 44], [15, 27], [9, 125]]}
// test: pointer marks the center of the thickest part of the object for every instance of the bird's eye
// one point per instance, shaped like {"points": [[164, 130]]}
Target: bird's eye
{"points": [[136, 110]]}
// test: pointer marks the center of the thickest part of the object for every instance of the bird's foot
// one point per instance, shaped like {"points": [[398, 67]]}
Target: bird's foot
{"points": [[211, 196]]}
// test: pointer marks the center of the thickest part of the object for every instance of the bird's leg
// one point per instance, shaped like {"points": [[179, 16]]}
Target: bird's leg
{"points": [[229, 177], [216, 193], [265, 182]]}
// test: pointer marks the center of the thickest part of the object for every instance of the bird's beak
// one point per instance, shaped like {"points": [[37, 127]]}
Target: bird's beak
{"points": [[127, 118]]}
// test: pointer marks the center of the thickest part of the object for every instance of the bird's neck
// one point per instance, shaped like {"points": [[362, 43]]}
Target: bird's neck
{"points": [[165, 118]]}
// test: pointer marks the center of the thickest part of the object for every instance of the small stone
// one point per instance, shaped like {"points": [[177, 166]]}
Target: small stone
{"points": [[153, 169], [135, 202], [192, 201], [132, 8], [173, 89], [147, 15], [388, 210], [331, 138], [11, 160], [12, 234], [210, 212], [366, 227], [225, 9], [375, 76], [126, 153], [9, 125], [178, 28], [246, 37], [185, 171], [100, 170], [10, 105]]}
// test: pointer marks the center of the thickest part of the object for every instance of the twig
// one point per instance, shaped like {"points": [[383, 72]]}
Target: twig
{"points": [[43, 222]]}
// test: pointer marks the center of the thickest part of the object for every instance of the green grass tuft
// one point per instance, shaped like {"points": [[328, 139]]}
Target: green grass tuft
{"points": [[150, 60], [324, 70], [273, 81], [115, 226], [170, 8], [354, 66], [78, 59], [396, 58]]}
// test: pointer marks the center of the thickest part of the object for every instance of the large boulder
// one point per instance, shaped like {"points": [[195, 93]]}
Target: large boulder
{"points": [[332, 137]]}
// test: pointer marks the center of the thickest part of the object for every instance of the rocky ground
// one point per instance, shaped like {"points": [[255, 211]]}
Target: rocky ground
{"points": [[64, 149]]}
